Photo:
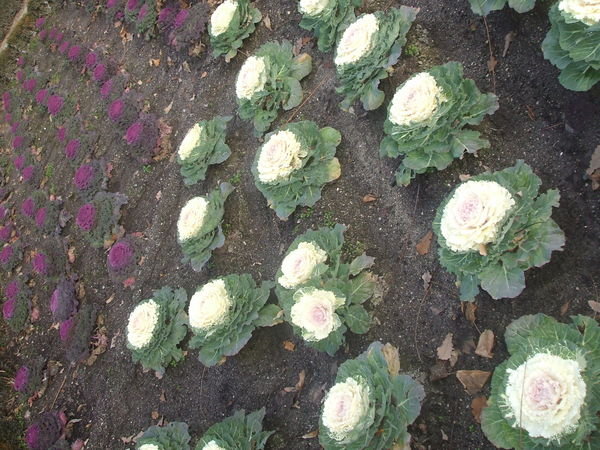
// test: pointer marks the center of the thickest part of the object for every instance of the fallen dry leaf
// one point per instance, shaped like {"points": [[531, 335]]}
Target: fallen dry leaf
{"points": [[473, 380], [469, 311], [444, 351], [162, 397], [154, 62], [438, 371], [492, 63], [110, 299], [267, 22], [477, 406], [299, 44], [485, 344], [444, 435], [289, 346], [594, 305], [594, 170], [564, 308], [454, 357], [392, 357], [311, 435], [129, 282], [155, 415], [507, 41], [425, 243], [369, 198], [167, 110], [71, 254], [464, 177], [426, 277]]}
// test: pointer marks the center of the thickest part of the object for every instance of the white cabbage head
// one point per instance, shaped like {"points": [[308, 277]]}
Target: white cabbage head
{"points": [[472, 217], [545, 395], [313, 7], [586, 11], [346, 404], [357, 41], [416, 101], [279, 157], [212, 445], [190, 141], [252, 77], [191, 218], [298, 266], [314, 313], [210, 306], [142, 323], [148, 447], [221, 18]]}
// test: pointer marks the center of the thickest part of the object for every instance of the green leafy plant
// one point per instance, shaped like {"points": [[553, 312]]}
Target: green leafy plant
{"points": [[155, 329], [270, 80], [371, 404], [573, 44], [231, 23], [225, 312], [321, 295], [368, 48], [484, 7], [98, 220], [240, 432], [546, 394], [174, 436], [427, 118], [494, 227], [326, 19], [203, 145], [295, 162], [199, 227]]}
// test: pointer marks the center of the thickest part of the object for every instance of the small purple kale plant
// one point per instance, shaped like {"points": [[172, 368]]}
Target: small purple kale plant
{"points": [[30, 84], [63, 301], [20, 76], [14, 127], [6, 100], [113, 88], [166, 16], [21, 381], [31, 204], [61, 133], [121, 260], [10, 256], [142, 137], [55, 104], [188, 26], [3, 212], [132, 9], [41, 96], [75, 151], [39, 23], [59, 36], [28, 173], [78, 336], [91, 59], [103, 71], [64, 47], [28, 378], [75, 54], [52, 34], [122, 111], [40, 263], [89, 179], [5, 233], [146, 19], [19, 161], [20, 61], [99, 219], [18, 142], [47, 217], [46, 430], [48, 260], [43, 35], [15, 309]]}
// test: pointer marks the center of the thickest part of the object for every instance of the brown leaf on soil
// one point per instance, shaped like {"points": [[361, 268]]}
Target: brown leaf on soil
{"points": [[485, 344], [108, 170], [110, 299], [155, 415], [392, 357], [444, 435], [164, 141], [167, 110], [454, 357], [594, 170], [311, 435], [80, 290], [564, 308], [289, 346], [129, 282], [426, 277], [444, 351], [154, 62], [477, 406], [267, 22], [425, 243], [71, 254], [464, 177], [469, 311], [594, 305], [35, 314], [369, 198], [438, 371], [100, 344], [492, 63], [162, 397], [473, 380], [132, 438], [507, 41], [299, 44]]}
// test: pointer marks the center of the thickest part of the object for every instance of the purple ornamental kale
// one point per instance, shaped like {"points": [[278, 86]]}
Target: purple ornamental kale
{"points": [[28, 173], [20, 61], [111, 3], [21, 379], [134, 133], [72, 149], [28, 207], [115, 110], [43, 35], [100, 72], [8, 117], [122, 112], [84, 177], [8, 308], [52, 33], [91, 59], [61, 134], [86, 217], [143, 12], [63, 302], [19, 162], [64, 47], [78, 342], [44, 432], [6, 98], [12, 289], [20, 76], [39, 23], [142, 136], [46, 217], [5, 233], [18, 142], [166, 16], [74, 53], [15, 127], [41, 96], [89, 179], [106, 88], [40, 217], [30, 84], [6, 254], [65, 328], [59, 37], [181, 18], [121, 259], [55, 104], [40, 264], [3, 212]]}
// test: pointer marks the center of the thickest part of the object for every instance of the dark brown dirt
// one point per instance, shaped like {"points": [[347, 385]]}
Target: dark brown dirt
{"points": [[553, 130]]}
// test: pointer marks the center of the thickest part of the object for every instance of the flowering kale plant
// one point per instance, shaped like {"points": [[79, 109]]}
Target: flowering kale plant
{"points": [[6, 233], [101, 72], [231, 23], [47, 217], [546, 395], [78, 332], [238, 431], [270, 80], [132, 8], [573, 43], [371, 404], [142, 137], [293, 165], [203, 145], [426, 120], [155, 329], [121, 260], [188, 25], [327, 19], [113, 88], [89, 179], [15, 309], [199, 226], [75, 54], [32, 203], [22, 382], [123, 112], [146, 19], [224, 312], [367, 49], [10, 256], [321, 295], [63, 302], [55, 104], [494, 227], [91, 59], [172, 436], [99, 218], [484, 7], [45, 431]]}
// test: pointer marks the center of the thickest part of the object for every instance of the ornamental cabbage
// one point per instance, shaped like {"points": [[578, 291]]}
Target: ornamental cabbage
{"points": [[546, 394], [231, 23], [122, 112], [225, 312], [237, 431], [78, 334], [46, 430], [573, 43], [6, 233], [484, 7], [146, 19], [142, 137], [203, 145], [370, 405], [10, 256], [369, 47], [55, 104], [99, 219], [427, 118], [172, 436], [270, 80], [155, 329], [15, 309], [320, 294], [199, 226], [326, 19], [63, 301], [89, 179], [47, 217], [188, 25], [494, 227], [293, 165], [121, 260]]}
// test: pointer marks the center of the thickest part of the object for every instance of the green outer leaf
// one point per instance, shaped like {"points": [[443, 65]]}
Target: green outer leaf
{"points": [[484, 7], [501, 282], [319, 166], [242, 26], [240, 432], [357, 318], [108, 213], [173, 436]]}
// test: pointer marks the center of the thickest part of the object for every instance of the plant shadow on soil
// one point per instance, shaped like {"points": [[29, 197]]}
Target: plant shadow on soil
{"points": [[553, 130]]}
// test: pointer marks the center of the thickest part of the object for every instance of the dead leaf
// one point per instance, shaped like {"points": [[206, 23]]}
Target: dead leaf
{"points": [[299, 44], [164, 142], [155, 415], [473, 380], [186, 67], [564, 308], [158, 196], [492, 63], [454, 357], [35, 314], [595, 306], [438, 371], [477, 406], [129, 282], [267, 22], [594, 170], [485, 344], [71, 254], [507, 41], [392, 357], [311, 435], [162, 397], [369, 198], [444, 435], [110, 299], [464, 177], [80, 290], [167, 110], [154, 62], [444, 351], [426, 277], [289, 346], [132, 438], [469, 311], [425, 243]]}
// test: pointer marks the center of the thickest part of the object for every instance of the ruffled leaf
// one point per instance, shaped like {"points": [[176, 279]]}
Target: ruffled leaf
{"points": [[238, 431]]}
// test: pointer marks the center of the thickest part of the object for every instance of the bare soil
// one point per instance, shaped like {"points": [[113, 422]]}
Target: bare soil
{"points": [[552, 129]]}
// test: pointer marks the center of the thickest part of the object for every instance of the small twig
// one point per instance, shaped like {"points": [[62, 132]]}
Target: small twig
{"points": [[417, 198], [552, 126], [492, 58], [61, 387], [425, 295], [308, 97]]}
